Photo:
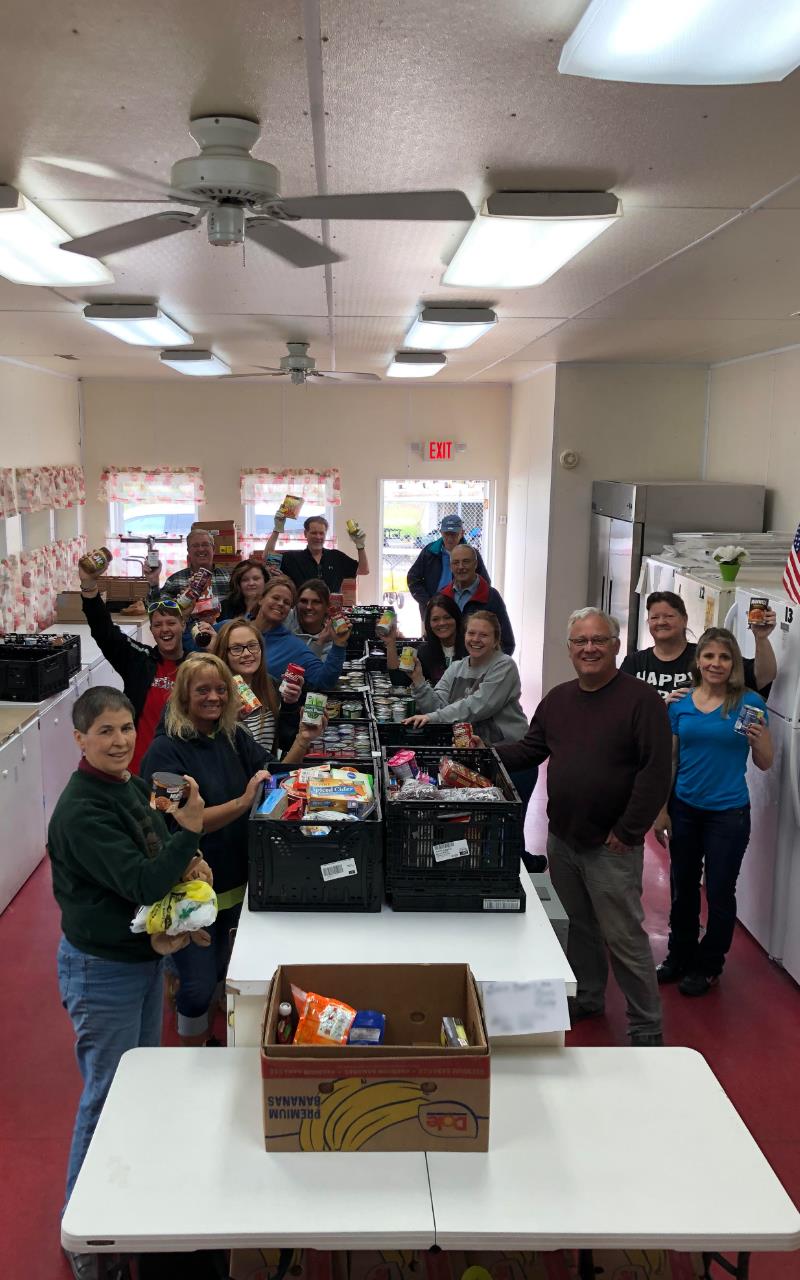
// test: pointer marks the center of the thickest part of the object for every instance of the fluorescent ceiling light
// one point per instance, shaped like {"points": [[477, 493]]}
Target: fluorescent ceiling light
{"points": [[685, 41], [29, 247], [200, 364], [143, 326], [521, 238], [416, 364], [449, 328]]}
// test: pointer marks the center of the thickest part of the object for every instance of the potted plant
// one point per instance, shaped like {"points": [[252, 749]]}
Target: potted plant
{"points": [[730, 560]]}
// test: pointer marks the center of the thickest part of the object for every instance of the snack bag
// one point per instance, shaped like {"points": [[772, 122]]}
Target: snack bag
{"points": [[323, 1020], [188, 906], [454, 774]]}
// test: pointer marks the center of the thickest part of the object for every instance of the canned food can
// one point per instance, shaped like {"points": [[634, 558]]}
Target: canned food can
{"points": [[757, 612], [398, 712]]}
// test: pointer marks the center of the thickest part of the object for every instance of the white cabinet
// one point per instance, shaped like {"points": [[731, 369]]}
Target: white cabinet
{"points": [[60, 753], [22, 847], [103, 673]]}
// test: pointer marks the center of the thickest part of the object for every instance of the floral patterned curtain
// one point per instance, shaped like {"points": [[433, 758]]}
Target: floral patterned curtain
{"points": [[257, 483], [8, 494], [30, 583], [166, 485], [39, 488]]}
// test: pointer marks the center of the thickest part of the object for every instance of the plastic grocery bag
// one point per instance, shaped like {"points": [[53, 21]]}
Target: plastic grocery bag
{"points": [[188, 906]]}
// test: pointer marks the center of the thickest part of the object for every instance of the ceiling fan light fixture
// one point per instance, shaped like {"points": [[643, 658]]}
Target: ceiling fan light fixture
{"points": [[522, 238], [685, 41], [449, 328], [198, 364], [29, 247], [416, 364], [140, 325]]}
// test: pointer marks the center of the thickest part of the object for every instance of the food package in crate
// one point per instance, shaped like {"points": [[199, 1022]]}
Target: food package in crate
{"points": [[454, 774]]}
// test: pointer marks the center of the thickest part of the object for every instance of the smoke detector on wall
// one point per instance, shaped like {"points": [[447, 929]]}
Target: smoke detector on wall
{"points": [[569, 459]]}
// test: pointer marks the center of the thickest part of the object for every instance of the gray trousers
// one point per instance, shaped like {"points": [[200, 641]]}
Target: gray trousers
{"points": [[601, 893]]}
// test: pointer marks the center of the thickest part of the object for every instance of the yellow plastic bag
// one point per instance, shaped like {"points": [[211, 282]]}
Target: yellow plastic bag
{"points": [[188, 906]]}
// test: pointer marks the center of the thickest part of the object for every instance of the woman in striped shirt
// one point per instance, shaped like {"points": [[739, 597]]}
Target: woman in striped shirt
{"points": [[238, 644]]}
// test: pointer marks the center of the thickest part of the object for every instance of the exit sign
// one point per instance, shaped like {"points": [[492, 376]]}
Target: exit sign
{"points": [[438, 450]]}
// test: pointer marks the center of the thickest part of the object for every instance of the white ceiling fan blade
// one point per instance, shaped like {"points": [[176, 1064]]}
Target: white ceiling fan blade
{"points": [[117, 173], [293, 246], [127, 235], [268, 373], [327, 375], [413, 206]]}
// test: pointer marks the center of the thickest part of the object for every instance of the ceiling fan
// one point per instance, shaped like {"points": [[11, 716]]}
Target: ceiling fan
{"points": [[301, 369], [239, 196]]}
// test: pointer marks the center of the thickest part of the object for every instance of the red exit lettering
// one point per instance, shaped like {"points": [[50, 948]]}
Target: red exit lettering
{"points": [[440, 450]]}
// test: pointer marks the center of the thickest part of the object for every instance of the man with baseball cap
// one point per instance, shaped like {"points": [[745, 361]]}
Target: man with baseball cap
{"points": [[430, 572]]}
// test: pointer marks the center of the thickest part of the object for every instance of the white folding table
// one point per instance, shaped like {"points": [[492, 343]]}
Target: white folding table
{"points": [[497, 946], [589, 1148]]}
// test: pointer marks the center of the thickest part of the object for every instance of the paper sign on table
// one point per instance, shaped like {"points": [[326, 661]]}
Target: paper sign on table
{"points": [[525, 1008]]}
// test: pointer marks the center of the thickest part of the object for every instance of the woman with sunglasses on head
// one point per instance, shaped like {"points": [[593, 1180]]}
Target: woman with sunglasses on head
{"points": [[148, 671], [716, 728], [281, 647], [201, 736], [443, 643], [667, 663], [239, 646], [247, 585]]}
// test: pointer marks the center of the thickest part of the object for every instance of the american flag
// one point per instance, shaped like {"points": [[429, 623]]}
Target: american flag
{"points": [[791, 574]]}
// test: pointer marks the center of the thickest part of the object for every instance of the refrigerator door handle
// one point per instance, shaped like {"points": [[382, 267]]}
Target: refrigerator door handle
{"points": [[730, 617], [610, 592], [603, 595], [794, 781]]}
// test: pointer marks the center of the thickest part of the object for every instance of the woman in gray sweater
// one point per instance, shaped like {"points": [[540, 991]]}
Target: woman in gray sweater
{"points": [[482, 689]]}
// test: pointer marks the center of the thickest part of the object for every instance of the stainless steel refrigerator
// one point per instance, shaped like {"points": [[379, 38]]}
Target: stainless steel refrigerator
{"points": [[632, 519]]}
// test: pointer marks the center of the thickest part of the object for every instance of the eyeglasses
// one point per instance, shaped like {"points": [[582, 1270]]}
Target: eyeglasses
{"points": [[167, 605], [239, 650], [582, 641]]}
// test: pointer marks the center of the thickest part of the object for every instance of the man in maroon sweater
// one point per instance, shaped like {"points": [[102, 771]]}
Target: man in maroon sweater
{"points": [[608, 741]]}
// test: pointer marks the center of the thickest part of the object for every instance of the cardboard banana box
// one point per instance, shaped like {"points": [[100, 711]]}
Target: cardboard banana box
{"points": [[408, 1094]]}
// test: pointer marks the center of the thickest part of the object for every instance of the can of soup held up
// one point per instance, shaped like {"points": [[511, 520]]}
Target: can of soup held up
{"points": [[757, 612]]}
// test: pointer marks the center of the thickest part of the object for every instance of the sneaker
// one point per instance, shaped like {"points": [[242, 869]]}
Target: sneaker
{"points": [[643, 1039], [696, 984], [536, 862], [670, 970], [578, 1012]]}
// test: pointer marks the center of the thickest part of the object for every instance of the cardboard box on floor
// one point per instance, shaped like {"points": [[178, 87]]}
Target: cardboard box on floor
{"points": [[69, 607], [408, 1094], [294, 1264], [225, 534]]}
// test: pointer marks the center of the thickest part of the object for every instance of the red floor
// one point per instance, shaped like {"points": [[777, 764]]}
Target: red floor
{"points": [[748, 1029]]}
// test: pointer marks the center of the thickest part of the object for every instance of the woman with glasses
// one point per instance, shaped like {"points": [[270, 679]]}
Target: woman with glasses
{"points": [[247, 584], [239, 646], [281, 647], [201, 736], [667, 663], [148, 671], [716, 729]]}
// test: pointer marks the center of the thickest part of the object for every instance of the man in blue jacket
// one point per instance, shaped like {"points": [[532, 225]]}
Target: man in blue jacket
{"points": [[431, 571]]}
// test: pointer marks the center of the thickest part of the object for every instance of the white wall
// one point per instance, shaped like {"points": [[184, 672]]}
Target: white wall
{"points": [[39, 418], [754, 430], [627, 422], [527, 533], [364, 431]]}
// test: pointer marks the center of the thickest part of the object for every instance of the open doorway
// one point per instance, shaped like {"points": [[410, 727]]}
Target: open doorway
{"points": [[411, 511]]}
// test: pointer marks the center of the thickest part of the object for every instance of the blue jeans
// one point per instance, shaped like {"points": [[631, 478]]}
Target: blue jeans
{"points": [[201, 970], [114, 1007], [718, 838]]}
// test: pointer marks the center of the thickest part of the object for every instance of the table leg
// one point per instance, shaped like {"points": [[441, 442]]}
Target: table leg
{"points": [[740, 1268]]}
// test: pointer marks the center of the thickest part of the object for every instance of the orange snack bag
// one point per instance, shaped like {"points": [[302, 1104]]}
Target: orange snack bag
{"points": [[324, 1021]]}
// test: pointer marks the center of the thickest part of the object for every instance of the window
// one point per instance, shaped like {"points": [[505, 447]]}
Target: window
{"points": [[263, 491], [162, 503]]}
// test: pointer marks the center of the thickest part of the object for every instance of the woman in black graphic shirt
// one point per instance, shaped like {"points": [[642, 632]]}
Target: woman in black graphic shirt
{"points": [[666, 665]]}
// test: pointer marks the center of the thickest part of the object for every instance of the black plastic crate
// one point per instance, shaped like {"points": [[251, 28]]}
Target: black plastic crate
{"points": [[363, 725], [433, 898], [376, 651], [32, 675], [415, 829], [286, 867], [362, 618], [349, 695], [391, 734], [42, 643]]}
